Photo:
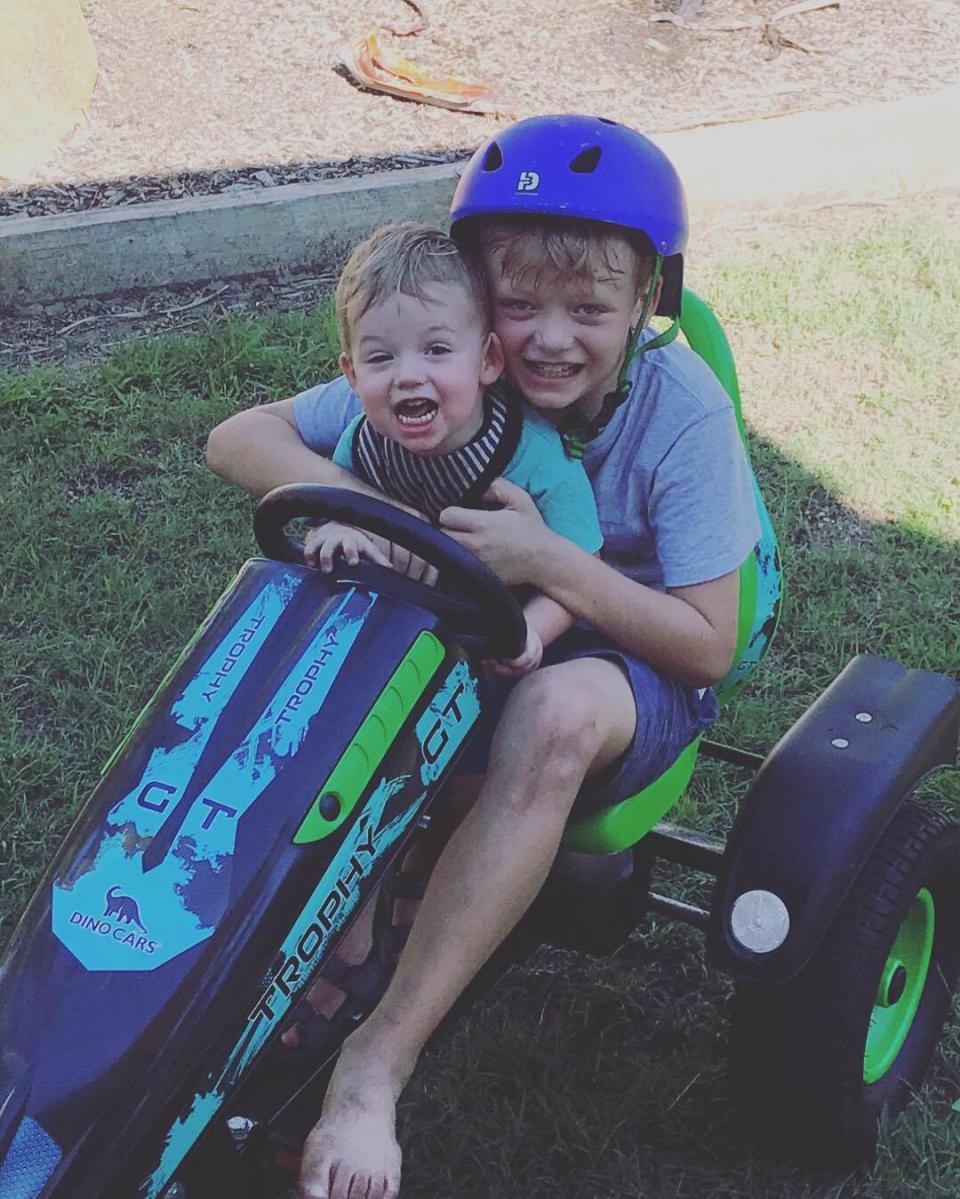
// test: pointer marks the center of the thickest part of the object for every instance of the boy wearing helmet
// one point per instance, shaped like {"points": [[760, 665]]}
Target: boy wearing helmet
{"points": [[581, 226]]}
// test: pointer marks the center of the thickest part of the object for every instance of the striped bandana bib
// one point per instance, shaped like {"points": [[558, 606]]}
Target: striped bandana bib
{"points": [[458, 478]]}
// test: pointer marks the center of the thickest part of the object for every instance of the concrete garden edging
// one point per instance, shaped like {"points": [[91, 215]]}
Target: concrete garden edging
{"points": [[868, 152]]}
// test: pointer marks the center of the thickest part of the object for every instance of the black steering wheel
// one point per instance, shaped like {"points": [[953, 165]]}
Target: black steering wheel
{"points": [[485, 606]]}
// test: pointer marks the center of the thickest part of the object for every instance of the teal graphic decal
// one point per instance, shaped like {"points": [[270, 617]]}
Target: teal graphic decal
{"points": [[441, 731], [769, 593], [116, 916]]}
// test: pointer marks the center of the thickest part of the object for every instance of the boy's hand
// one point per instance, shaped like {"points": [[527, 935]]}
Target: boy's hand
{"points": [[508, 539], [516, 668], [324, 543]]}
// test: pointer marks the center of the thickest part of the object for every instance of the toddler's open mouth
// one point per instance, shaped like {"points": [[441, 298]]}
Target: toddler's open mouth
{"points": [[415, 413]]}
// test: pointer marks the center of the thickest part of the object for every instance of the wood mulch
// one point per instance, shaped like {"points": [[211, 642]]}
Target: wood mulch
{"points": [[202, 96]]}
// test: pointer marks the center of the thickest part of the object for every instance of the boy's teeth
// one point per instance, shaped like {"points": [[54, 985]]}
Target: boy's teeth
{"points": [[554, 370]]}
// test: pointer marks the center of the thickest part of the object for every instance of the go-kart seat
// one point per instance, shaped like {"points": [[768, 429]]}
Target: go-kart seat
{"points": [[624, 824]]}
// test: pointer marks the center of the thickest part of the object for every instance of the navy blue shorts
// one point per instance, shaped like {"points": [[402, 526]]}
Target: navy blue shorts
{"points": [[669, 716]]}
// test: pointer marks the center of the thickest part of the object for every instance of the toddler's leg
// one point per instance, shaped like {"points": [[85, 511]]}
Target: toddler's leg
{"points": [[559, 724]]}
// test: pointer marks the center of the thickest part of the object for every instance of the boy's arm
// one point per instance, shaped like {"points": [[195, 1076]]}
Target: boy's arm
{"points": [[261, 448], [688, 633]]}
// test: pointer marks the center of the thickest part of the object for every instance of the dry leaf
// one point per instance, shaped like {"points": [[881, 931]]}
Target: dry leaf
{"points": [[375, 66]]}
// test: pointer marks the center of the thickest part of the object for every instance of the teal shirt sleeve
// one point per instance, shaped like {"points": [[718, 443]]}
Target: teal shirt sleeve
{"points": [[343, 450], [558, 485]]}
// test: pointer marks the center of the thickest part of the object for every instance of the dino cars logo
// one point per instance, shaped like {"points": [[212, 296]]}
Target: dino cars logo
{"points": [[120, 922], [123, 907]]}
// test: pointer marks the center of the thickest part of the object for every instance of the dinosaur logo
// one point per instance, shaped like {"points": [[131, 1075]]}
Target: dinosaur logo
{"points": [[123, 908]]}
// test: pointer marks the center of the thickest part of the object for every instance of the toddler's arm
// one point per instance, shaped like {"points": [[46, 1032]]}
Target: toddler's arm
{"points": [[546, 620]]}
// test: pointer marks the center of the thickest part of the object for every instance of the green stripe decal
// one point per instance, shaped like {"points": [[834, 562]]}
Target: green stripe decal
{"points": [[351, 775]]}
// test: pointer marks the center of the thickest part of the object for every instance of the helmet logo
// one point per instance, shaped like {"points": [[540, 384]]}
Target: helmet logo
{"points": [[529, 181]]}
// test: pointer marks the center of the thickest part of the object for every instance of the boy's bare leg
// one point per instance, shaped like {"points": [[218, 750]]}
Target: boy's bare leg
{"points": [[560, 723]]}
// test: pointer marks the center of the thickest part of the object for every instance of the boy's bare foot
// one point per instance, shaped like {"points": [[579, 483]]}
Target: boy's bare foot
{"points": [[353, 1151]]}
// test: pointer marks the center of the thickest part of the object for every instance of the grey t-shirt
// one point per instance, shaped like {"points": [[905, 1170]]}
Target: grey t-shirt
{"points": [[670, 475], [673, 488]]}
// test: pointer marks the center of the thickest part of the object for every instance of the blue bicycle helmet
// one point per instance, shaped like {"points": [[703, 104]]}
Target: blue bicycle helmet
{"points": [[586, 167]]}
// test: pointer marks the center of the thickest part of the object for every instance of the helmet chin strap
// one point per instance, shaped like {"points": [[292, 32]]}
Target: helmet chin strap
{"points": [[576, 430], [636, 347]]}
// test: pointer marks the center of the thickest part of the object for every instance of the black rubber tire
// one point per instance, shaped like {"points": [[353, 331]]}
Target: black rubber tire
{"points": [[797, 1050]]}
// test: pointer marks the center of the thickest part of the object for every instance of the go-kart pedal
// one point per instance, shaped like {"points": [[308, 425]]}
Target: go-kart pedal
{"points": [[363, 983]]}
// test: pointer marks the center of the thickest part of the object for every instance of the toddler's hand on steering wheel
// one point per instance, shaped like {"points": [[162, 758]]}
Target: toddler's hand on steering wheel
{"points": [[323, 544], [400, 558]]}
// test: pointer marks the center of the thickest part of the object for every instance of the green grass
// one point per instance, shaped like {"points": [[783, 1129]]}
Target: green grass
{"points": [[577, 1078]]}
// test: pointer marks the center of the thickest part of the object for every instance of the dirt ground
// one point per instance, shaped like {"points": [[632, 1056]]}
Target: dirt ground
{"points": [[78, 332], [195, 96]]}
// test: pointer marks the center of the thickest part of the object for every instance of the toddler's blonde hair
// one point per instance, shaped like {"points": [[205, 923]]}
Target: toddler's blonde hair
{"points": [[407, 257]]}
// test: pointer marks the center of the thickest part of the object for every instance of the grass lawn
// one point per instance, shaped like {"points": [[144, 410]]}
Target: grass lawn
{"points": [[576, 1079]]}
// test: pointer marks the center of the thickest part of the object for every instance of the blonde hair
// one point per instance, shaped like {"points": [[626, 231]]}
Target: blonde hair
{"points": [[406, 258], [532, 249]]}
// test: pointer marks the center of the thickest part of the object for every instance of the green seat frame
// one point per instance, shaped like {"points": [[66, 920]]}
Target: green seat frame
{"points": [[761, 590]]}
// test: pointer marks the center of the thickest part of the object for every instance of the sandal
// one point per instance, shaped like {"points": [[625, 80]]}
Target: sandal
{"points": [[363, 984]]}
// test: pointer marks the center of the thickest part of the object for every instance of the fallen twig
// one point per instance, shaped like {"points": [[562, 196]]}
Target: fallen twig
{"points": [[196, 303], [684, 1091], [99, 316], [790, 43], [421, 25], [853, 204], [685, 19], [143, 314], [794, 10]]}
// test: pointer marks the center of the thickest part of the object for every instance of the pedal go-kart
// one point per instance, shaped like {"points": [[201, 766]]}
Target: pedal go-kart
{"points": [[292, 754]]}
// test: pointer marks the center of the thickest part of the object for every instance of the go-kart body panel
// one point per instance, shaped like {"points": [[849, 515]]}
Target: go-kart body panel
{"points": [[822, 800], [181, 903]]}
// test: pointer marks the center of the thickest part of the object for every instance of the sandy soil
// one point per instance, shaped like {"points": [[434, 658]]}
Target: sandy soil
{"points": [[191, 92]]}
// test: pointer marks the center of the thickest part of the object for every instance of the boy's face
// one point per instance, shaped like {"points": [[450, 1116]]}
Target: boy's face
{"points": [[419, 368], [564, 340]]}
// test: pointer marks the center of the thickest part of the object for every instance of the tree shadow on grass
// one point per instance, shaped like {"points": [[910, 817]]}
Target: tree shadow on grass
{"points": [[601, 1078]]}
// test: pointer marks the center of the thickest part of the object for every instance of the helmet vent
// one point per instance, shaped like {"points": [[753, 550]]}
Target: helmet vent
{"points": [[586, 161], [607, 121], [493, 159]]}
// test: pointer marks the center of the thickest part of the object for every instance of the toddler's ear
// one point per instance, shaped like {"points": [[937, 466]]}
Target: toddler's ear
{"points": [[346, 365], [492, 363]]}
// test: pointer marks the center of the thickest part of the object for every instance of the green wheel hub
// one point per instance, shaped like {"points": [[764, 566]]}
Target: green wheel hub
{"points": [[901, 985]]}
